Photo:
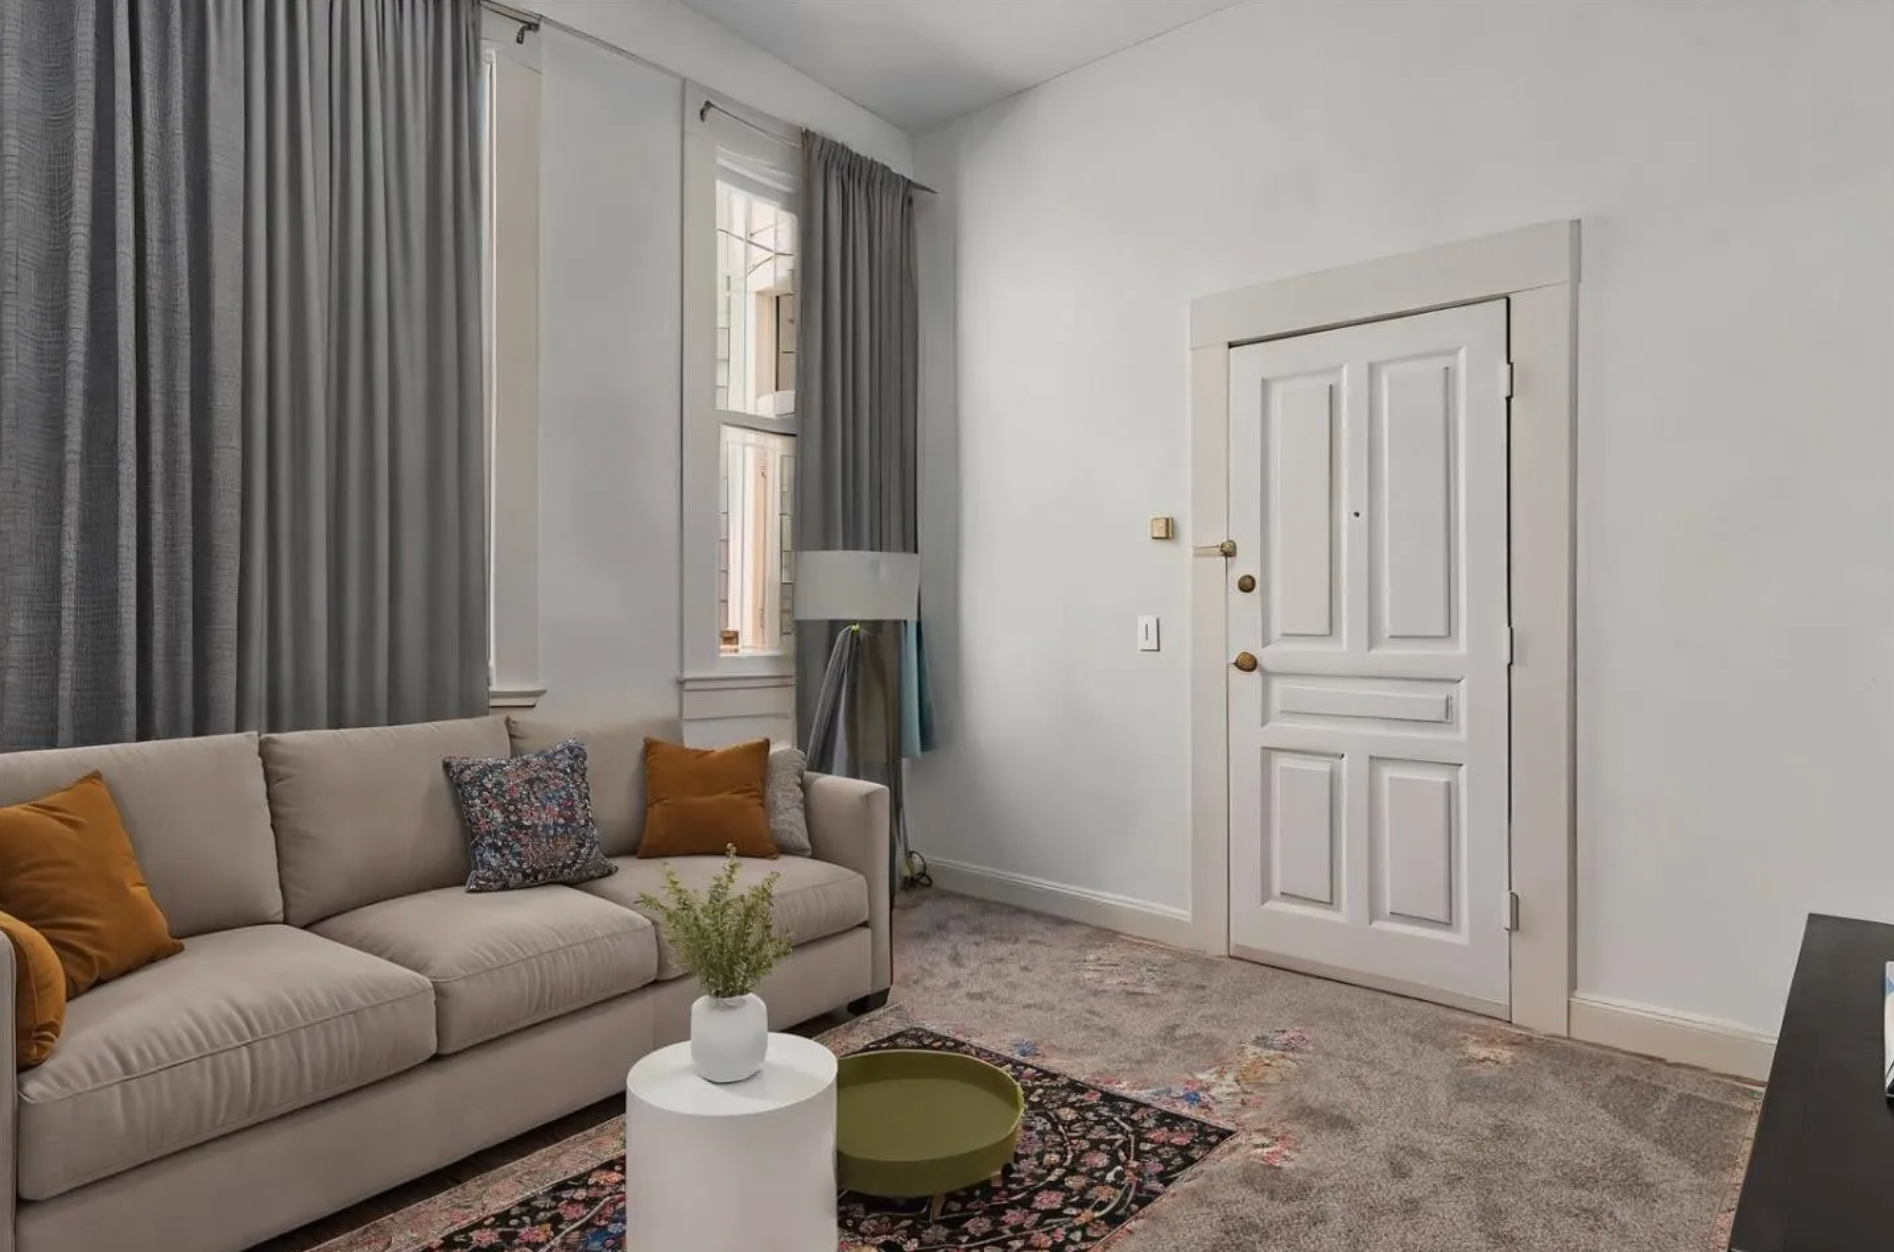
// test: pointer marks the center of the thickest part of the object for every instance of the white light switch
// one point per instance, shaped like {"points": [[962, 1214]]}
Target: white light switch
{"points": [[1147, 634]]}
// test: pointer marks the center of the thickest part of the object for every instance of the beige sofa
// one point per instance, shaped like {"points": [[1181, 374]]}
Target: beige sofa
{"points": [[344, 1015]]}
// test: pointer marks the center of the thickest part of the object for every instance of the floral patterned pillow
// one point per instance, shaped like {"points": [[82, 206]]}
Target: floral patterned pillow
{"points": [[529, 818]]}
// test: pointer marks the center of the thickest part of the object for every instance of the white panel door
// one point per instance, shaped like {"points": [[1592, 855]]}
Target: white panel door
{"points": [[1368, 748]]}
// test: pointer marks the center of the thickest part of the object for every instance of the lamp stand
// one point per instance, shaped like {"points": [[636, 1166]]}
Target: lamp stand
{"points": [[857, 726]]}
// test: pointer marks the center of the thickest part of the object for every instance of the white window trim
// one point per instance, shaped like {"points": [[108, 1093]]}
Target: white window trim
{"points": [[513, 320], [706, 668]]}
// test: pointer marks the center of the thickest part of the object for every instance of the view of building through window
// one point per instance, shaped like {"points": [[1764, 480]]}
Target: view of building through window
{"points": [[755, 549], [756, 377], [756, 304]]}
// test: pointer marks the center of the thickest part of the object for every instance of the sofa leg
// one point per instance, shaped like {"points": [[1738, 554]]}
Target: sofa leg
{"points": [[868, 1003]]}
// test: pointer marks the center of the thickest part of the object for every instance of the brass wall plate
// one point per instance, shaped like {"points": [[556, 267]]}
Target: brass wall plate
{"points": [[1247, 583]]}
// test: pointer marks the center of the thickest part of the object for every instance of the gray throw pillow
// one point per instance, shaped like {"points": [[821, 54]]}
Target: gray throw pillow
{"points": [[782, 800]]}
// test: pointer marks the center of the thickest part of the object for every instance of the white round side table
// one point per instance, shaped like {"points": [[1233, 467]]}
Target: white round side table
{"points": [[732, 1167]]}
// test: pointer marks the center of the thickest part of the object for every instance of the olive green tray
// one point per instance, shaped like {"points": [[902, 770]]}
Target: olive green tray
{"points": [[914, 1123]]}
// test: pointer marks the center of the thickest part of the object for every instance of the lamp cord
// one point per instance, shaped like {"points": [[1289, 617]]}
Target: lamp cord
{"points": [[916, 874]]}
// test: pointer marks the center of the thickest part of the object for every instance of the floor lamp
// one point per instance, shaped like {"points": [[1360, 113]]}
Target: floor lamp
{"points": [[856, 731]]}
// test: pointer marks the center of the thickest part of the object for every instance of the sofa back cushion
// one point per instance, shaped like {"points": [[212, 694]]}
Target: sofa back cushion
{"points": [[366, 815], [197, 816], [614, 765]]}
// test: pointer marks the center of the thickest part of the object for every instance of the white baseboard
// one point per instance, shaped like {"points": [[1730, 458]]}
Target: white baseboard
{"points": [[1141, 919], [1685, 1038]]}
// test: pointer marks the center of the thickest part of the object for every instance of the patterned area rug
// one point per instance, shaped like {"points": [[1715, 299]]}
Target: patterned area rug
{"points": [[1090, 1161]]}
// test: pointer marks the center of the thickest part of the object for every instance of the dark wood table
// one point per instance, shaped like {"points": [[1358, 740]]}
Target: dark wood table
{"points": [[1821, 1177]]}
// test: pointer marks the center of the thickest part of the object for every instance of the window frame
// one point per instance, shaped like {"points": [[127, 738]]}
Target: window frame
{"points": [[770, 155], [510, 306]]}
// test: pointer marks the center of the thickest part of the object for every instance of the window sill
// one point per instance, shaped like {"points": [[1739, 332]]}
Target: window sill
{"points": [[514, 697], [727, 669]]}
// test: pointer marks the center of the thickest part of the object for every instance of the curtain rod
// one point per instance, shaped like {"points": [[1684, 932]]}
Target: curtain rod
{"points": [[704, 110], [530, 22]]}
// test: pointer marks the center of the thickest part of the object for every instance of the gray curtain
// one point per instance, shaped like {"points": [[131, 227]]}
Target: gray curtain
{"points": [[241, 480], [121, 189], [857, 479], [857, 375], [364, 576]]}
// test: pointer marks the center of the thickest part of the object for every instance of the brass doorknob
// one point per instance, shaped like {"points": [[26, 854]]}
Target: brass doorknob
{"points": [[1246, 584], [1245, 661]]}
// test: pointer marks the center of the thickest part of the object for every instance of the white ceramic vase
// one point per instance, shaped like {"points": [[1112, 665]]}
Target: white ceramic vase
{"points": [[728, 1037]]}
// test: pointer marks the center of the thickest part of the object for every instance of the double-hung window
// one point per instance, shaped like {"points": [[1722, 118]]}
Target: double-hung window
{"points": [[740, 270]]}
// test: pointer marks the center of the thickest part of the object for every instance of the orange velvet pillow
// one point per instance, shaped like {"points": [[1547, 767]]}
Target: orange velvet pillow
{"points": [[39, 993], [698, 801], [67, 870]]}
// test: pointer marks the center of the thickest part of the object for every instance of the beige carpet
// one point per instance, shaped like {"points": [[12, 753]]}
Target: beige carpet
{"points": [[1370, 1121], [1367, 1123]]}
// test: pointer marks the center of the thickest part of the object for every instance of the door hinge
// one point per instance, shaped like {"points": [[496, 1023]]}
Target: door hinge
{"points": [[1506, 380], [1512, 910], [1509, 645]]}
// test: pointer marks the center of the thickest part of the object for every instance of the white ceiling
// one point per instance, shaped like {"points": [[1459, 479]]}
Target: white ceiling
{"points": [[918, 63]]}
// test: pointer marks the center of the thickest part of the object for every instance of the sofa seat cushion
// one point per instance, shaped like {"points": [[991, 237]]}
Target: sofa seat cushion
{"points": [[501, 961], [813, 900], [242, 1026]]}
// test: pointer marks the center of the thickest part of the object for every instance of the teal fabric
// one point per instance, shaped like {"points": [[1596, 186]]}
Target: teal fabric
{"points": [[917, 696]]}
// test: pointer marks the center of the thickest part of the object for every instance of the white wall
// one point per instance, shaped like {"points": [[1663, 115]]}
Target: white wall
{"points": [[610, 153], [610, 268], [1733, 165], [695, 47]]}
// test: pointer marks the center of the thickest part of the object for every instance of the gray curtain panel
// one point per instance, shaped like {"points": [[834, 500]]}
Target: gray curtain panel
{"points": [[242, 478], [364, 577], [857, 375], [121, 189]]}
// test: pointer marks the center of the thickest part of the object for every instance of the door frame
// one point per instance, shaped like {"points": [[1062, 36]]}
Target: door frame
{"points": [[1536, 268]]}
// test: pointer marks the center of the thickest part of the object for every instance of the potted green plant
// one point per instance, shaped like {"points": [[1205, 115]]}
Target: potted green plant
{"points": [[726, 938]]}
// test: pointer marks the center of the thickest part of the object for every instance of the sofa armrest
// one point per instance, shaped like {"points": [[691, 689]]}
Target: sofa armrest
{"points": [[848, 826]]}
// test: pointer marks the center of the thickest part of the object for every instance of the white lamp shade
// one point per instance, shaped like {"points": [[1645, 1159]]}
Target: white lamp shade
{"points": [[858, 586]]}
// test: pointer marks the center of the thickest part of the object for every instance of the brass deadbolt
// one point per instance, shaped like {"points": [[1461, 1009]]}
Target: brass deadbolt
{"points": [[1245, 661], [1247, 583]]}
